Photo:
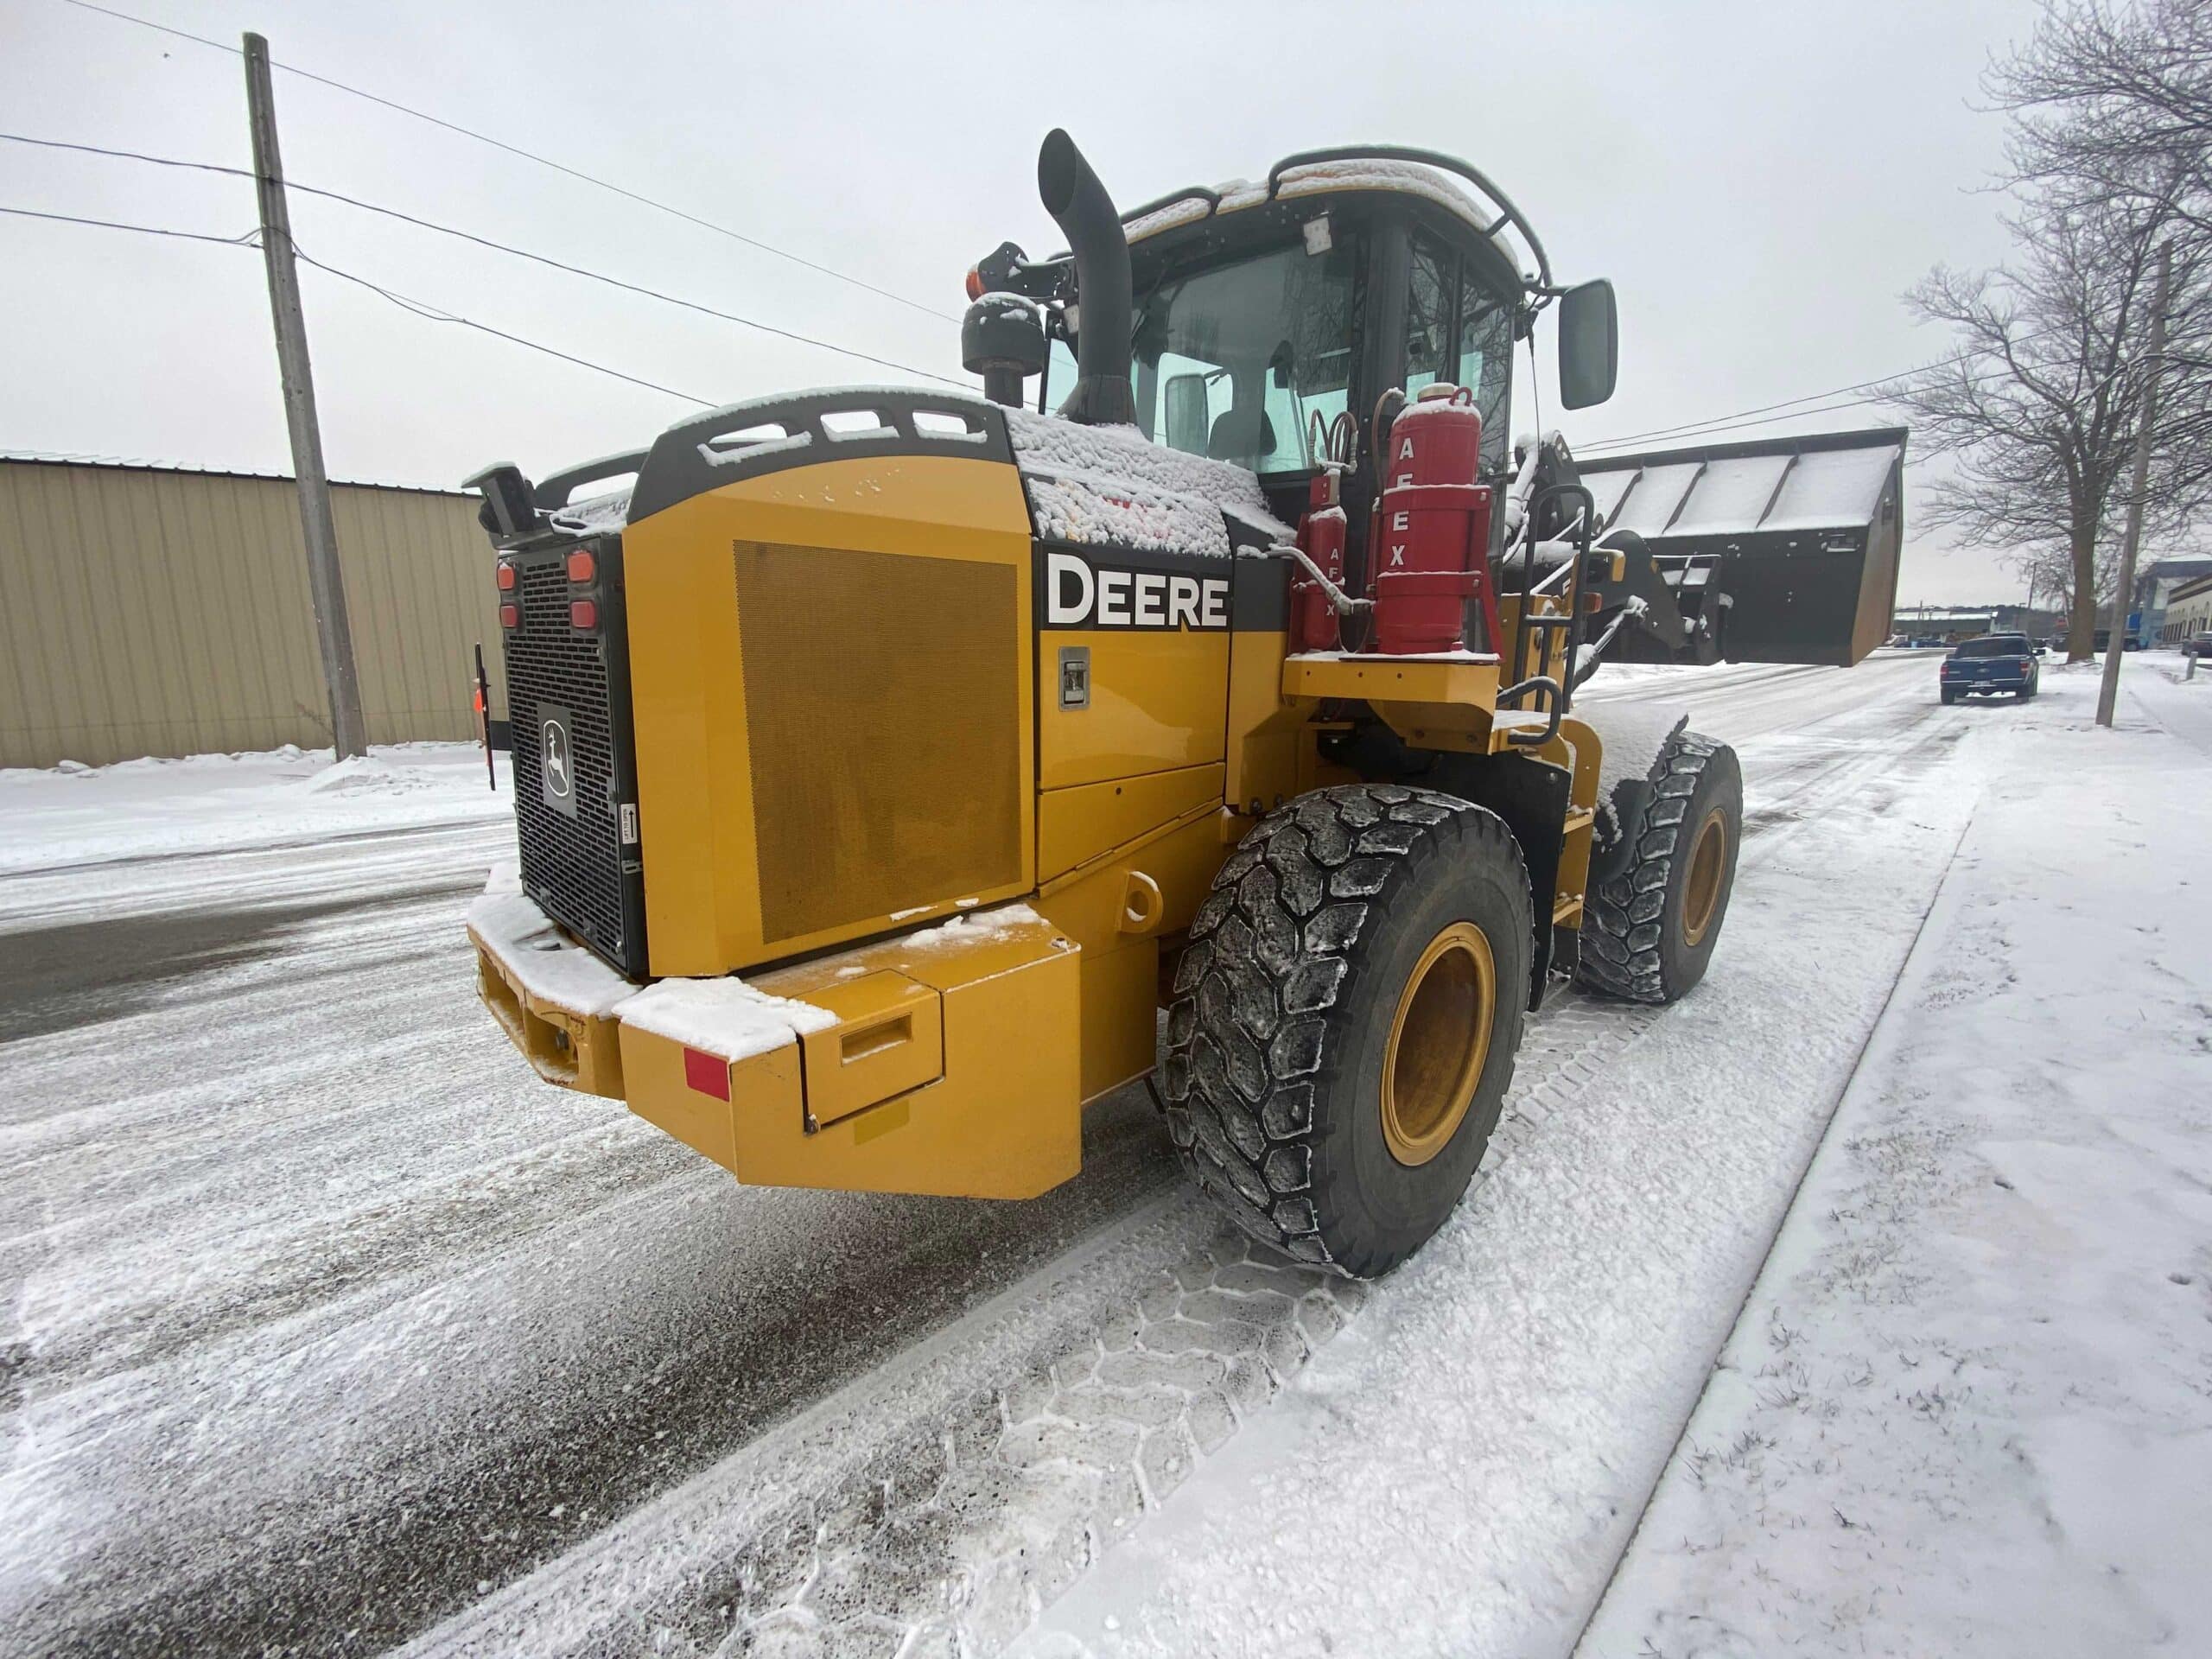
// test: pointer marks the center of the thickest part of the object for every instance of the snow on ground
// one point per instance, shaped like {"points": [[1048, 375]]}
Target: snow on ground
{"points": [[71, 815], [1458, 1473], [320, 1319], [1968, 1407]]}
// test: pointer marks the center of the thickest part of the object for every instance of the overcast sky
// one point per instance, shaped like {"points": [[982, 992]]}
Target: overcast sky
{"points": [[1760, 181]]}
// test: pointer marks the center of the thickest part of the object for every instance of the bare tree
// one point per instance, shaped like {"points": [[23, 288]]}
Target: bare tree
{"points": [[2111, 144], [2115, 101], [2038, 406]]}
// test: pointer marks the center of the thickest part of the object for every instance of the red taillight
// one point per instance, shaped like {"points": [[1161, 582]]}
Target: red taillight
{"points": [[509, 616], [974, 283], [505, 577], [583, 614], [582, 566]]}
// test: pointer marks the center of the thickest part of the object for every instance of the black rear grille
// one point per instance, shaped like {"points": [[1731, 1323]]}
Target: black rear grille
{"points": [[576, 866]]}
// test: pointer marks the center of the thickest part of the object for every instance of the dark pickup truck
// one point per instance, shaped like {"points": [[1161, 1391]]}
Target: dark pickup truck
{"points": [[1994, 662]]}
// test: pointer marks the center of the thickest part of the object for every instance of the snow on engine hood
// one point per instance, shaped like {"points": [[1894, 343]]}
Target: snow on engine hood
{"points": [[1111, 486]]}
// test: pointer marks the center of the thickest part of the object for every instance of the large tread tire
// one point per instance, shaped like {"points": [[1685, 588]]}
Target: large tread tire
{"points": [[1635, 944], [1285, 999]]}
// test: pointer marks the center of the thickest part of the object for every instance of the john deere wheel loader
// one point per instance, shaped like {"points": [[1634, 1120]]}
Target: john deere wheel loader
{"points": [[971, 736]]}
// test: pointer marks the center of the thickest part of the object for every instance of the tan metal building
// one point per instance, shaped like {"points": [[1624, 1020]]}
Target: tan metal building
{"points": [[155, 610]]}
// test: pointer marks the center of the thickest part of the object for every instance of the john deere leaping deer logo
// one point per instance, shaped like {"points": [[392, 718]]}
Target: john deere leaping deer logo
{"points": [[556, 760]]}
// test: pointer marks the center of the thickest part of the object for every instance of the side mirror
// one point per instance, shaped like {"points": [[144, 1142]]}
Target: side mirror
{"points": [[1589, 345], [1186, 413]]}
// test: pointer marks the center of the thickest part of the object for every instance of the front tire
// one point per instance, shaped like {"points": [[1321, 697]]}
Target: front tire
{"points": [[1345, 1018], [1650, 931]]}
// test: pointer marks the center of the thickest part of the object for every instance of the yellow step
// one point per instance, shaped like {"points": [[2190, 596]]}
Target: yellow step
{"points": [[1566, 909], [1580, 818]]}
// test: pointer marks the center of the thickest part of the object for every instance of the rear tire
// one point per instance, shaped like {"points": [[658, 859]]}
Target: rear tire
{"points": [[1949, 696], [1345, 1021], [1650, 931]]}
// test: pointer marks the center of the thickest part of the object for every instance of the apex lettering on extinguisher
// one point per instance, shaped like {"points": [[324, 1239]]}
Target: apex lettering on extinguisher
{"points": [[1080, 592]]}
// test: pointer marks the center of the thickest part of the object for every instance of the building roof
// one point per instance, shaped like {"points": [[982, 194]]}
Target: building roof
{"points": [[2192, 587], [126, 464]]}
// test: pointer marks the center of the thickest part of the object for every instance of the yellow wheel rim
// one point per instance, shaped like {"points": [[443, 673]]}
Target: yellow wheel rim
{"points": [[1439, 1038], [1701, 894]]}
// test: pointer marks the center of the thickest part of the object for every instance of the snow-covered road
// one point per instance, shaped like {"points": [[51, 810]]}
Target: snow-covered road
{"points": [[324, 1327]]}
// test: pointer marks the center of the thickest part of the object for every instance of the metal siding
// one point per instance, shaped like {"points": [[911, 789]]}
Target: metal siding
{"points": [[166, 613]]}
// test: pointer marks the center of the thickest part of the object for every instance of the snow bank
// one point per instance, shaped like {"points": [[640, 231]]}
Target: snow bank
{"points": [[1964, 1409], [73, 814]]}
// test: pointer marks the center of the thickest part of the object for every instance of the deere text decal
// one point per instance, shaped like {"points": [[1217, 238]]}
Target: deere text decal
{"points": [[1131, 590]]}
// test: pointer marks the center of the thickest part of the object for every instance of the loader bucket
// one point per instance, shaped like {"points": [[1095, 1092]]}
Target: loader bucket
{"points": [[1777, 550]]}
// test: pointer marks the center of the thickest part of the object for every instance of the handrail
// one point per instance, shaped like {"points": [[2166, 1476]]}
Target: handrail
{"points": [[1189, 193], [1562, 689], [1435, 158]]}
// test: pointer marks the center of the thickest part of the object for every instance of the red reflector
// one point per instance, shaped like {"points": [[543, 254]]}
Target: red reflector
{"points": [[504, 576], [509, 616], [974, 283], [582, 566], [583, 614], [708, 1073]]}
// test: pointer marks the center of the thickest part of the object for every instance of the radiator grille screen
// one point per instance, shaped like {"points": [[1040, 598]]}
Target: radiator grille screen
{"points": [[571, 863], [880, 710]]}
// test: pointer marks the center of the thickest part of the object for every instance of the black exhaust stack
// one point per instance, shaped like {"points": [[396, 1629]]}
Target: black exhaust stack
{"points": [[1074, 197]]}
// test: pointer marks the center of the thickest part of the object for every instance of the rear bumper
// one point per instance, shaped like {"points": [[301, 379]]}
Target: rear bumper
{"points": [[945, 1061], [2017, 683]]}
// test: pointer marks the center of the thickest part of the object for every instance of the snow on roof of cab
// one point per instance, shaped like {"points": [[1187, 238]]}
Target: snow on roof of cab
{"points": [[1321, 178], [1112, 485]]}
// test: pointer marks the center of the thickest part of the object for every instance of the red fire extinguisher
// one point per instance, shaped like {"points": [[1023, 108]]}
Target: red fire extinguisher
{"points": [[1321, 537], [1432, 552]]}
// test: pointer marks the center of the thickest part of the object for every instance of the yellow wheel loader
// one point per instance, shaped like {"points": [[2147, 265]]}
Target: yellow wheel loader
{"points": [[886, 760]]}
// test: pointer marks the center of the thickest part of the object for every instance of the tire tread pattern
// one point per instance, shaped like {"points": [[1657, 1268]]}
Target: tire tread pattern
{"points": [[1269, 951], [1621, 930]]}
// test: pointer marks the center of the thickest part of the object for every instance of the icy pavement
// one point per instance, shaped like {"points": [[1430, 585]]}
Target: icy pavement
{"points": [[1968, 1407], [328, 1327]]}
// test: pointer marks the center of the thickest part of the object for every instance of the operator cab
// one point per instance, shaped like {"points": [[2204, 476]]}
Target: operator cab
{"points": [[1264, 313]]}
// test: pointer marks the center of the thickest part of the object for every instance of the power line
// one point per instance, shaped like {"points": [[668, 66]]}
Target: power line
{"points": [[532, 155], [1737, 419], [420, 308], [250, 239], [486, 242], [435, 314]]}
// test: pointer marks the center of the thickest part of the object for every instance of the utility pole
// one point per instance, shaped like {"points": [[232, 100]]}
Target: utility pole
{"points": [[2124, 595], [333, 634]]}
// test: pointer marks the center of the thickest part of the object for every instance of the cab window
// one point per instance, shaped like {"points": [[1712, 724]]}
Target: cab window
{"points": [[1234, 363], [1458, 330]]}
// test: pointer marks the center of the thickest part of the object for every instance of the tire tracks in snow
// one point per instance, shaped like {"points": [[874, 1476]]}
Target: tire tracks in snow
{"points": [[950, 1533]]}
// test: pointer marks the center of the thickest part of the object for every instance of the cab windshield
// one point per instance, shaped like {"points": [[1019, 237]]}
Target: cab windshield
{"points": [[1234, 362]]}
